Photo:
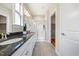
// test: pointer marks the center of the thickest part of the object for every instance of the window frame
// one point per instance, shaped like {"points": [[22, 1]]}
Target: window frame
{"points": [[19, 14]]}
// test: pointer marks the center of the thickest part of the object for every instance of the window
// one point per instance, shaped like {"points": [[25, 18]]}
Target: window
{"points": [[17, 7], [26, 13], [21, 15], [18, 14], [17, 19]]}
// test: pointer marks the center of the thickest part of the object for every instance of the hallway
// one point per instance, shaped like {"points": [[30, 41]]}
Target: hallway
{"points": [[43, 49], [39, 26]]}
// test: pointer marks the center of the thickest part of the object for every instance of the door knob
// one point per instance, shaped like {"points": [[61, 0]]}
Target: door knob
{"points": [[63, 34]]}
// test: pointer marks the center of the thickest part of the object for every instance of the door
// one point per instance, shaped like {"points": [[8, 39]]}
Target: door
{"points": [[53, 29], [40, 32], [69, 42]]}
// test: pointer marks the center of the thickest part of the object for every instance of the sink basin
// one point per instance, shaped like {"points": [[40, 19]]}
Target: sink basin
{"points": [[10, 41]]}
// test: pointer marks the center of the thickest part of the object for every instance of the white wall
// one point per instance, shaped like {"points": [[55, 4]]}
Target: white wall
{"points": [[48, 21], [56, 10], [40, 21]]}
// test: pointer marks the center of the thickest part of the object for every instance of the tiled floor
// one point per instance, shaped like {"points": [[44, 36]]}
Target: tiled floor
{"points": [[43, 49]]}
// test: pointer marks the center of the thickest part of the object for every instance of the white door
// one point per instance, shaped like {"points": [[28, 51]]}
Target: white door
{"points": [[40, 32], [69, 42]]}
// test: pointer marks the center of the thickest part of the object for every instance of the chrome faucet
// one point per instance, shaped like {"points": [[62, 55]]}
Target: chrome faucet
{"points": [[3, 36]]}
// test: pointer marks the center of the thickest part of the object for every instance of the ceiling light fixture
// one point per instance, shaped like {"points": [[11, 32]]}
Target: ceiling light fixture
{"points": [[26, 13]]}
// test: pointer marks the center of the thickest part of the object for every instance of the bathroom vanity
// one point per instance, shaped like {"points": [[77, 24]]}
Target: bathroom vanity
{"points": [[18, 45], [27, 48]]}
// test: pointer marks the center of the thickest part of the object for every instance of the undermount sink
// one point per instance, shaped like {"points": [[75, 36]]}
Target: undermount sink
{"points": [[10, 41]]}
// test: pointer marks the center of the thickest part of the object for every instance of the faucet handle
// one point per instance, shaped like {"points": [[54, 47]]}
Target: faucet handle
{"points": [[2, 36]]}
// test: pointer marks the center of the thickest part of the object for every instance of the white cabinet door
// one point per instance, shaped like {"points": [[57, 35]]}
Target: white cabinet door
{"points": [[31, 45], [21, 50], [29, 49], [69, 43]]}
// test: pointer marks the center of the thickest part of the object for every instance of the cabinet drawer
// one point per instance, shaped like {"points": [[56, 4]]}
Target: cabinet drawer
{"points": [[21, 50]]}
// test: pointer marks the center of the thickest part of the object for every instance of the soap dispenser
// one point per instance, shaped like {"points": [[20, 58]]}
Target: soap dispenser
{"points": [[24, 29]]}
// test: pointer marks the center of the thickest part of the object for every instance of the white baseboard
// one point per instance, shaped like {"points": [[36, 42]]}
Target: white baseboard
{"points": [[42, 40]]}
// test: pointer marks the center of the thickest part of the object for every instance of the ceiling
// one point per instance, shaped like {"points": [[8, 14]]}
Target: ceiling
{"points": [[35, 8], [39, 8]]}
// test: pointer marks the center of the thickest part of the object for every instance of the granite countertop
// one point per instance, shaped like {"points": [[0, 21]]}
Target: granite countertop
{"points": [[8, 50]]}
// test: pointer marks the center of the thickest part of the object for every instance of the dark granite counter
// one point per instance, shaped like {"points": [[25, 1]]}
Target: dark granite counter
{"points": [[8, 50]]}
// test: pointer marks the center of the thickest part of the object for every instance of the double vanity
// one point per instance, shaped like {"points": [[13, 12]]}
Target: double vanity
{"points": [[18, 45]]}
